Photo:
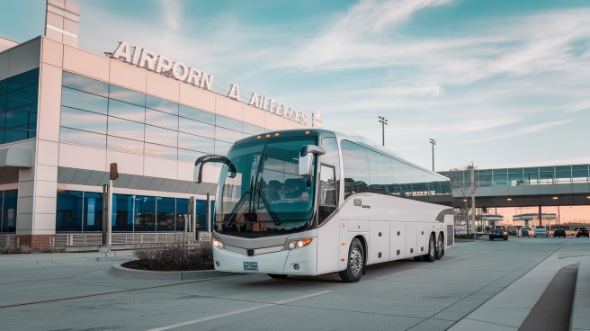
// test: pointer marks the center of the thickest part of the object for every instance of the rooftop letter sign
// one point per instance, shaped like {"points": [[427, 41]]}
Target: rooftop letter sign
{"points": [[144, 58]]}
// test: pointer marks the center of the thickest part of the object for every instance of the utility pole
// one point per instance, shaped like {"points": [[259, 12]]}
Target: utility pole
{"points": [[383, 122], [433, 142]]}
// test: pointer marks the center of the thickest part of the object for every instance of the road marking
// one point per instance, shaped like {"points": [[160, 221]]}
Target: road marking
{"points": [[235, 312]]}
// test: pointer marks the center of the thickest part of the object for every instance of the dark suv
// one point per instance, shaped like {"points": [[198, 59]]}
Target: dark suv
{"points": [[582, 232], [559, 233], [498, 233]]}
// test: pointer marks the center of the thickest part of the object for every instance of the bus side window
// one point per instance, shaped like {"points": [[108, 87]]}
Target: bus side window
{"points": [[328, 194]]}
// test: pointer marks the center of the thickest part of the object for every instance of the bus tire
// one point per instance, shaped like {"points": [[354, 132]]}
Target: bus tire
{"points": [[440, 247], [429, 257], [356, 263], [277, 276]]}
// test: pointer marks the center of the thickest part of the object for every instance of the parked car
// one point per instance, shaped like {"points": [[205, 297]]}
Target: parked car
{"points": [[512, 231], [559, 233], [498, 233], [541, 232], [582, 232]]}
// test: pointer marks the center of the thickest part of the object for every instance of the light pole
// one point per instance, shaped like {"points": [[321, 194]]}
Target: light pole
{"points": [[383, 122], [433, 142]]}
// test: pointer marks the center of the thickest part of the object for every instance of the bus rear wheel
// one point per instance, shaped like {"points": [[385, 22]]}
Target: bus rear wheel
{"points": [[440, 247], [356, 262], [430, 256]]}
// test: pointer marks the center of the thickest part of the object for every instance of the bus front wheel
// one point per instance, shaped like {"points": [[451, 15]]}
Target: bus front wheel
{"points": [[356, 262], [431, 250]]}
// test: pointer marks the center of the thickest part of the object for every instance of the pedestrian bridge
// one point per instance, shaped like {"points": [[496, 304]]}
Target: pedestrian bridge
{"points": [[563, 185]]}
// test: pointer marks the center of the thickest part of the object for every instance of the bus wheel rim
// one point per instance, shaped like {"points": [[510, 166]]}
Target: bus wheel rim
{"points": [[356, 260]]}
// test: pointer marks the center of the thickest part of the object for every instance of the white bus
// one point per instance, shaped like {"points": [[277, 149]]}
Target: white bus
{"points": [[312, 202]]}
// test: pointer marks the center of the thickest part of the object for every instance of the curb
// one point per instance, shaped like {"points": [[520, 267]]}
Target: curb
{"points": [[580, 320], [121, 272]]}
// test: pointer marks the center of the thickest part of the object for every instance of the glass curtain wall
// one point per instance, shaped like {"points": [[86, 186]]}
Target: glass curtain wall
{"points": [[98, 114], [8, 202], [18, 106], [83, 212]]}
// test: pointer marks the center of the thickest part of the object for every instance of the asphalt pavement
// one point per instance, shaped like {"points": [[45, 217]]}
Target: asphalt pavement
{"points": [[30, 279]]}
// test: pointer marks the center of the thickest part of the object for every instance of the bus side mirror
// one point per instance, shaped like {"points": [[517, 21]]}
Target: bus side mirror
{"points": [[198, 171], [306, 159]]}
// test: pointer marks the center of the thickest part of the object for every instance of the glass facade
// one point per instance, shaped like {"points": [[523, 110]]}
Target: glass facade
{"points": [[98, 114], [369, 171], [83, 212], [569, 174], [18, 107], [8, 202]]}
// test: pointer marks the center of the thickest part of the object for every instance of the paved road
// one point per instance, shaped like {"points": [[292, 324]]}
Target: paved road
{"points": [[479, 285]]}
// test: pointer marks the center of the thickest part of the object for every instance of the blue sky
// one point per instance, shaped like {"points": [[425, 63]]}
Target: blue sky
{"points": [[498, 83]]}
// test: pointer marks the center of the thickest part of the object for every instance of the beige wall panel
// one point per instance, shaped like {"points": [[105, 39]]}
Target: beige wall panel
{"points": [[126, 163], [50, 103], [58, 3], [26, 189], [123, 74], [46, 172], [229, 108], [86, 64], [71, 26], [274, 122], [72, 7], [70, 41], [254, 116], [54, 35], [4, 65], [197, 97], [55, 20], [162, 168], [185, 171], [24, 222], [44, 223], [24, 57], [46, 189], [53, 52], [162, 86], [26, 174], [294, 125], [47, 153], [24, 205], [45, 205], [73, 156]]}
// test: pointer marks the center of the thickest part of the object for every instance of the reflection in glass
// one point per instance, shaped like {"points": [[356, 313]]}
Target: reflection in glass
{"points": [[83, 120], [252, 129], [161, 136], [18, 106], [93, 204], [228, 123], [82, 137], [85, 84], [221, 148], [188, 155], [181, 214], [160, 151], [197, 114], [161, 104], [127, 111], [126, 95], [163, 120], [196, 127], [195, 143], [126, 145], [82, 100], [226, 135], [69, 211], [165, 216], [125, 129]]}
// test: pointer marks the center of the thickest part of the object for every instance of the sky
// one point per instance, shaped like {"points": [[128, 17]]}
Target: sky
{"points": [[499, 83]]}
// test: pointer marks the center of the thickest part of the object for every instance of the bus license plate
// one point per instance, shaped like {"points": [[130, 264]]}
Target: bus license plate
{"points": [[250, 265]]}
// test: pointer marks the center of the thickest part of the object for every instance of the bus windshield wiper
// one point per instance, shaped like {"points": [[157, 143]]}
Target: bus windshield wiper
{"points": [[234, 212]]}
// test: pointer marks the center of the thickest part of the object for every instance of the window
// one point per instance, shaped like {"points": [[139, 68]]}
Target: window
{"points": [[85, 101], [161, 105], [197, 114], [8, 204], [328, 194], [18, 106]]}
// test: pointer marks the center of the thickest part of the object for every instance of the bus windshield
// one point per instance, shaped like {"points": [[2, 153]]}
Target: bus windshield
{"points": [[267, 196]]}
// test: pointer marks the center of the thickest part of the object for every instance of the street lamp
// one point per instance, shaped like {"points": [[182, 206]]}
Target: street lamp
{"points": [[433, 142], [383, 122]]}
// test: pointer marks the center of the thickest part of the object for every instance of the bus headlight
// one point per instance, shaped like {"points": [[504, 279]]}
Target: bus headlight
{"points": [[299, 243], [217, 243]]}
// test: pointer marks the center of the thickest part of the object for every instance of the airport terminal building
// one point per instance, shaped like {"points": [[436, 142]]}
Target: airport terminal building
{"points": [[67, 114]]}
